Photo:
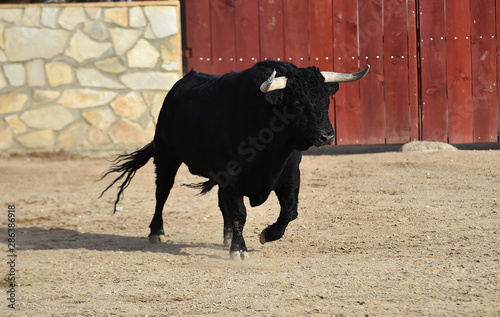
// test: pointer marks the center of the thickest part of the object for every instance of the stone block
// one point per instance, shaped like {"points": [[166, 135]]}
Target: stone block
{"points": [[150, 130], [163, 20], [44, 96], [2, 42], [148, 33], [130, 106], [90, 77], [13, 16], [170, 53], [118, 16], [15, 124], [93, 13], [148, 97], [171, 66], [82, 48], [43, 139], [101, 119], [36, 73], [155, 102], [23, 44], [123, 39], [54, 117], [31, 16], [149, 80], [15, 73], [114, 65], [137, 17], [12, 102], [127, 132], [171, 47], [97, 137], [143, 55], [5, 136], [59, 73], [85, 98], [73, 136], [96, 30], [3, 81], [70, 17], [49, 17]]}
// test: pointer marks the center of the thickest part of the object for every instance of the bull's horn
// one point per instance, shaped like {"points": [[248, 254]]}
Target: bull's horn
{"points": [[344, 77], [273, 83]]}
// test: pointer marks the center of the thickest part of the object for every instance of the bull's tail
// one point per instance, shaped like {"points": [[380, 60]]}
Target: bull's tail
{"points": [[127, 165], [204, 187]]}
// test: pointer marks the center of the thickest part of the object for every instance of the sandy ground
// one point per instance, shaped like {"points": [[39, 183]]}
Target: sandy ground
{"points": [[413, 234]]}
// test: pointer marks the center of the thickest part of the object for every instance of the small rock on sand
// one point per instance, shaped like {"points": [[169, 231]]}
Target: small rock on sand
{"points": [[427, 146]]}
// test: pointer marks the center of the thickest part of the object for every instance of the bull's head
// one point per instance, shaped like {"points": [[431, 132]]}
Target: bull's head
{"points": [[304, 93]]}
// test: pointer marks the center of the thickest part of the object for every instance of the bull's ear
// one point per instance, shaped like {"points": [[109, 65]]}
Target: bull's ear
{"points": [[332, 88], [275, 97]]}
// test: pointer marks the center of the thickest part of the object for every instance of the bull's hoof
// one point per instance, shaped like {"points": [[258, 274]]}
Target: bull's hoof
{"points": [[239, 255], [262, 237], [157, 238]]}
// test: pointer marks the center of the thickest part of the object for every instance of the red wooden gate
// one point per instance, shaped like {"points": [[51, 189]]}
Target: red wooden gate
{"points": [[433, 82], [458, 42]]}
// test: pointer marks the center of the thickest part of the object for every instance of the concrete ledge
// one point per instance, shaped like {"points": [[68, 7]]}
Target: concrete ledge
{"points": [[363, 149]]}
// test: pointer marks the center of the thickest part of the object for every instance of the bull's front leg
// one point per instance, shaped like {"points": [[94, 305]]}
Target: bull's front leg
{"points": [[235, 214], [288, 196], [228, 226]]}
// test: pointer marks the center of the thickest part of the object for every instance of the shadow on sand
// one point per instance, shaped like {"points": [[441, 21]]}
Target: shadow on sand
{"points": [[38, 238]]}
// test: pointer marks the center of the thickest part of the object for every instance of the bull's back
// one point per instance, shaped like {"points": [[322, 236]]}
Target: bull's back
{"points": [[194, 119]]}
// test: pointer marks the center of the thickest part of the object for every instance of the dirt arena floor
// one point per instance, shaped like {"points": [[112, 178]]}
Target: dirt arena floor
{"points": [[391, 234]]}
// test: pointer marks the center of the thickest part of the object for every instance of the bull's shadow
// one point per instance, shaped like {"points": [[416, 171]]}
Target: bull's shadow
{"points": [[38, 238]]}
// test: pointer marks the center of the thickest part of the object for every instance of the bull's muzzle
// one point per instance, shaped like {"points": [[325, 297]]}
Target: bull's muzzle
{"points": [[325, 139]]}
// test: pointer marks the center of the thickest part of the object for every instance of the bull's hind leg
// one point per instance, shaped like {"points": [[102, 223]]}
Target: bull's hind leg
{"points": [[235, 215], [165, 175], [288, 196]]}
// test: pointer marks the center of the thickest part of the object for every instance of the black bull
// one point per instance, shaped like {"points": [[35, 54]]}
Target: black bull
{"points": [[242, 131]]}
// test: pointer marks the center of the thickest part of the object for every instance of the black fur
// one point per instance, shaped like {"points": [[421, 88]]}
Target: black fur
{"points": [[204, 187], [127, 165], [245, 141]]}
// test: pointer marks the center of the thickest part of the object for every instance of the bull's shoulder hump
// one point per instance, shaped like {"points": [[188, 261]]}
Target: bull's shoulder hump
{"points": [[197, 75]]}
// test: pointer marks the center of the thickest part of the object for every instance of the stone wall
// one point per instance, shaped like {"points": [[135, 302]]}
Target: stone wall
{"points": [[85, 78]]}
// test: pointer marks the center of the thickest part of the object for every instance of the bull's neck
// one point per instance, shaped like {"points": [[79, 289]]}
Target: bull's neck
{"points": [[270, 135]]}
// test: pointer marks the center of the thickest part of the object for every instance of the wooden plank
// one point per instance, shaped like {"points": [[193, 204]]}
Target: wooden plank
{"points": [[321, 40], [498, 56], [371, 51], [247, 33], [484, 65], [396, 65], [433, 67], [459, 85], [198, 36], [413, 71], [296, 26], [345, 34], [223, 36], [272, 44], [321, 34]]}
